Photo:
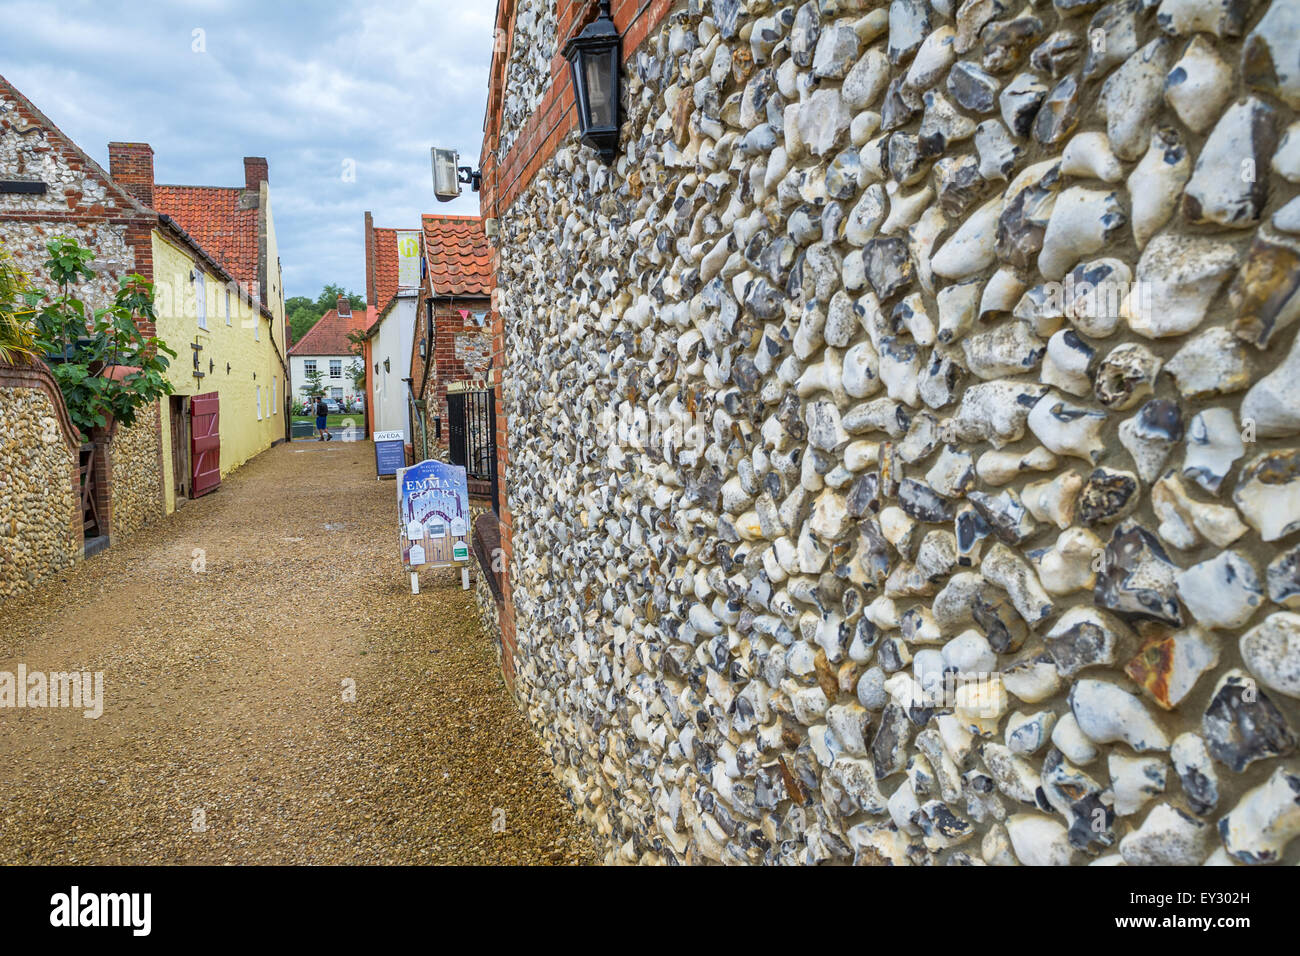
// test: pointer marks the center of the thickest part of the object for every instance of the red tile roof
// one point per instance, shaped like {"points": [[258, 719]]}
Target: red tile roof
{"points": [[213, 217], [329, 336], [458, 256], [385, 267]]}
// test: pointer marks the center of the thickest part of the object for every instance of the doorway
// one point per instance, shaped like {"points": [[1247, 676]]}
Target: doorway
{"points": [[180, 448]]}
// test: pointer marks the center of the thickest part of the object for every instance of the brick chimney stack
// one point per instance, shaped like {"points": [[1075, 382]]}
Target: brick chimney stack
{"points": [[256, 172], [344, 306], [370, 259], [131, 166]]}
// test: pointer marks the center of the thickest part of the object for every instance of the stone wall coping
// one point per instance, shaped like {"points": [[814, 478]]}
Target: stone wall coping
{"points": [[36, 374]]}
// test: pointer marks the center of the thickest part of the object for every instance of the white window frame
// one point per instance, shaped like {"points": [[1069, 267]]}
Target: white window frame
{"points": [[336, 373], [227, 307], [308, 366], [257, 328], [201, 298], [259, 403], [275, 406]]}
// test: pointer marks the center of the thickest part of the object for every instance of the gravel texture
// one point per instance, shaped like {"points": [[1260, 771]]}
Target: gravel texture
{"points": [[224, 692]]}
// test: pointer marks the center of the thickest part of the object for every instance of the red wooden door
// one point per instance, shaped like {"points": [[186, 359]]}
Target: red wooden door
{"points": [[205, 443]]}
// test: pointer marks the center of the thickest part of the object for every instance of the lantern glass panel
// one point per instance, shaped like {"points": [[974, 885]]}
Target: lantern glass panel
{"points": [[600, 92]]}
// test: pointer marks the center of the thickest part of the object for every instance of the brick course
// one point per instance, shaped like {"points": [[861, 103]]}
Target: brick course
{"points": [[503, 180]]}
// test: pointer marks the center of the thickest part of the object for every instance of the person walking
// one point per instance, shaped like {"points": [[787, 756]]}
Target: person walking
{"points": [[322, 420]]}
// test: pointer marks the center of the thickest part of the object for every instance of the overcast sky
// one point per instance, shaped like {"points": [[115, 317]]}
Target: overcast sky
{"points": [[319, 88]]}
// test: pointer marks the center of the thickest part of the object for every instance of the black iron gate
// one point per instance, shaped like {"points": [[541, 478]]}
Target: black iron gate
{"points": [[471, 434]]}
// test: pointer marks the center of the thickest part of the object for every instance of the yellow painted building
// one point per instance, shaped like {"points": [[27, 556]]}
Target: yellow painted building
{"points": [[225, 343], [219, 304]]}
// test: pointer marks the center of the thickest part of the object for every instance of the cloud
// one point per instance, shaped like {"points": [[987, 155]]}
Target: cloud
{"points": [[323, 90]]}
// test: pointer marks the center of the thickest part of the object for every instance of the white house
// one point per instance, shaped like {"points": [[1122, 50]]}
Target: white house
{"points": [[326, 349], [391, 338]]}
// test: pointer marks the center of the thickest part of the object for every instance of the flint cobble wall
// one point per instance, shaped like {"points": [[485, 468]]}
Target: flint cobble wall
{"points": [[903, 437], [138, 498], [40, 511]]}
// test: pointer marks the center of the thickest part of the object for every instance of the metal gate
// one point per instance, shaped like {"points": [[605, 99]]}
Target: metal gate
{"points": [[205, 443], [472, 433]]}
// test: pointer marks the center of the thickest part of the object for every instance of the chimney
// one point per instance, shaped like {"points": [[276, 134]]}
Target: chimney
{"points": [[344, 307], [255, 172], [131, 166], [370, 259]]}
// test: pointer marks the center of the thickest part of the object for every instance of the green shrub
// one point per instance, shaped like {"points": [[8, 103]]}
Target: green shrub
{"points": [[85, 348]]}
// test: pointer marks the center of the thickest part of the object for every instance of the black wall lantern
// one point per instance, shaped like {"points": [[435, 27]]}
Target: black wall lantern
{"points": [[594, 64]]}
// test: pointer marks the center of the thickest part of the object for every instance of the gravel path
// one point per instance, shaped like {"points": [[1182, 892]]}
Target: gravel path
{"points": [[224, 693]]}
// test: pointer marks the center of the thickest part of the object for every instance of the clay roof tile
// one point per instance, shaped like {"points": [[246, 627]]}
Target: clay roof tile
{"points": [[213, 216], [457, 255]]}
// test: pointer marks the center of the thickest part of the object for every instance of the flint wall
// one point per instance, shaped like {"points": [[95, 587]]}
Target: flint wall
{"points": [[903, 439]]}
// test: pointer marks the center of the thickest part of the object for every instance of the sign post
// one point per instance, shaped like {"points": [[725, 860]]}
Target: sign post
{"points": [[390, 452], [433, 518]]}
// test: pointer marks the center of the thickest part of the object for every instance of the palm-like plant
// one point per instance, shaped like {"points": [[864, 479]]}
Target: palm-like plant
{"points": [[17, 331]]}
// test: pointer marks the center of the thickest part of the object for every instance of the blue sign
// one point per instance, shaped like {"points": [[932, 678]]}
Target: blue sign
{"points": [[390, 452], [433, 512]]}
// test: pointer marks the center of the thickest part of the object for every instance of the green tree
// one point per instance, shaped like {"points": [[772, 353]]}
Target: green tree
{"points": [[86, 349], [303, 313], [329, 298], [301, 319], [315, 382]]}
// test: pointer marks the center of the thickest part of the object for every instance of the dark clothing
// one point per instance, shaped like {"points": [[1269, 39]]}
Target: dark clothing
{"points": [[320, 422]]}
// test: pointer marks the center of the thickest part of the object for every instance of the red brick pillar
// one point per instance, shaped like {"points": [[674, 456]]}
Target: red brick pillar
{"points": [[102, 439]]}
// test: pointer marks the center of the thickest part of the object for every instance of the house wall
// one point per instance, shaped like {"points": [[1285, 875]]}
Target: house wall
{"points": [[252, 359], [78, 203], [833, 535], [462, 348], [297, 369], [40, 504], [82, 202], [392, 342], [274, 300], [461, 351]]}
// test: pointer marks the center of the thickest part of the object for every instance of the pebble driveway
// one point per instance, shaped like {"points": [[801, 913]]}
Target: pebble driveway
{"points": [[229, 636]]}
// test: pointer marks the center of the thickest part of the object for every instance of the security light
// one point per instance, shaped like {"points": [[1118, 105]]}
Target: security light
{"points": [[446, 182], [448, 175]]}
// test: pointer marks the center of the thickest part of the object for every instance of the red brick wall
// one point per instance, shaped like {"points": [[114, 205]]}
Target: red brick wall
{"points": [[418, 361], [536, 143], [450, 364]]}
